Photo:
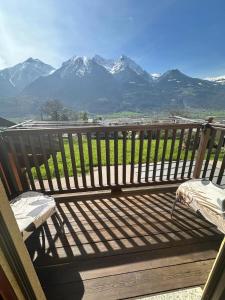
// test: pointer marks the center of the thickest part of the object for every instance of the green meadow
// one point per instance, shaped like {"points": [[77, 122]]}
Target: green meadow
{"points": [[103, 155]]}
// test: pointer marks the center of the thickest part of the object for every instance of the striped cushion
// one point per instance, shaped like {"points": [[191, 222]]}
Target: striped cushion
{"points": [[205, 197], [31, 209]]}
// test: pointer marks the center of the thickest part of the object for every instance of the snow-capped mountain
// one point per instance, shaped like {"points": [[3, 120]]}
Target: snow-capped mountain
{"points": [[125, 62], [24, 73], [124, 69], [79, 66], [103, 85], [76, 66], [80, 81]]}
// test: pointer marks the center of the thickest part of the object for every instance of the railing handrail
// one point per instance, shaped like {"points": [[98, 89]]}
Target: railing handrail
{"points": [[78, 164], [99, 128], [217, 126], [187, 119]]}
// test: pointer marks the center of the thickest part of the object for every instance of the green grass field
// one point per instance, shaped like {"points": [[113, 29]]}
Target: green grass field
{"points": [[103, 155]]}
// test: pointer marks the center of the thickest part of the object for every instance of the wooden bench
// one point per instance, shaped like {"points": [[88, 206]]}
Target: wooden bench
{"points": [[31, 210]]}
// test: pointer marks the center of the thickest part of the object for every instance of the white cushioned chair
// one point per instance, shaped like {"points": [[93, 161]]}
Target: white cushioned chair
{"points": [[205, 197], [31, 210]]}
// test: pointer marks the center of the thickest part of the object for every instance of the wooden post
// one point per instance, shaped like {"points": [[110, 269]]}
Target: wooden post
{"points": [[116, 190], [215, 285], [206, 131]]}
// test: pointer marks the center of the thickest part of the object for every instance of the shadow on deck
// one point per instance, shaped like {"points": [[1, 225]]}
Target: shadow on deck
{"points": [[117, 247]]}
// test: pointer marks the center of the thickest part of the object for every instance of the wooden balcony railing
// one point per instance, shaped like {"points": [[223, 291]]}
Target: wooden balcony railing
{"points": [[213, 165], [66, 159]]}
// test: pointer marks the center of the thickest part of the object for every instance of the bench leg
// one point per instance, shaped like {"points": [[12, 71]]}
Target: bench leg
{"points": [[173, 208]]}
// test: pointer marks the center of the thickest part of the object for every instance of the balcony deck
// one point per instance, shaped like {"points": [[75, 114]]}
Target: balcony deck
{"points": [[121, 246]]}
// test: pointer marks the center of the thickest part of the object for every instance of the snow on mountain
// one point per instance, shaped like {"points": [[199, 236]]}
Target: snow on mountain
{"points": [[82, 67], [174, 80], [107, 63], [125, 62], [155, 76], [104, 85], [126, 70], [175, 76], [218, 79], [77, 65], [7, 88], [123, 68], [24, 73], [80, 82]]}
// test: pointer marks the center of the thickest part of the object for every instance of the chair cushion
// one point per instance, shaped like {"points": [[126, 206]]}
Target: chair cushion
{"points": [[205, 197], [31, 209]]}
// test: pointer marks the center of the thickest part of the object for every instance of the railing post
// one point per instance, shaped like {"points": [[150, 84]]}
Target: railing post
{"points": [[205, 135], [116, 190]]}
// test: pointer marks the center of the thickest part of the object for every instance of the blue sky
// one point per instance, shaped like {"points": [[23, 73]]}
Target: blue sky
{"points": [[157, 34]]}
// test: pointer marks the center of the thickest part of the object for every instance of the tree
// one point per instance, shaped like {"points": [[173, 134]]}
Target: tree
{"points": [[69, 114], [53, 109], [83, 115], [65, 115]]}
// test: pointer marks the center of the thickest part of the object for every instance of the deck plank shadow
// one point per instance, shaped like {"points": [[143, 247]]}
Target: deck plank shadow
{"points": [[123, 246]]}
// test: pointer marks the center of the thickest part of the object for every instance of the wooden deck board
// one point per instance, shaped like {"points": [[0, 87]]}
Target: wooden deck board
{"points": [[135, 283], [123, 246], [120, 264]]}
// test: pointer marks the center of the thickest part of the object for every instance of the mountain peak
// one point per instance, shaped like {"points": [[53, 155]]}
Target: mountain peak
{"points": [[106, 63], [123, 57], [173, 74], [24, 73], [79, 66], [97, 56], [31, 60], [98, 85], [124, 62], [121, 65], [77, 60]]}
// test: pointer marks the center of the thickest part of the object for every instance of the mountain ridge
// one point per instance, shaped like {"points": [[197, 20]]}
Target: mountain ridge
{"points": [[22, 74], [104, 85]]}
